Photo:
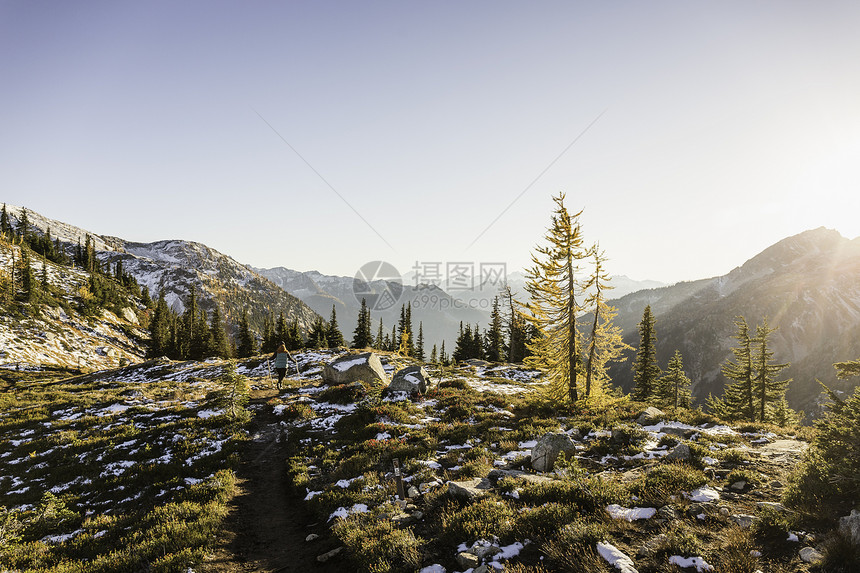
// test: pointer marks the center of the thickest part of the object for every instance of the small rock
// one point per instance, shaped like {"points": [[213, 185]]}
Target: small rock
{"points": [[418, 515], [467, 560], [312, 537], [739, 485], [724, 511], [667, 513], [810, 555], [771, 505], [327, 556], [681, 452], [650, 547], [695, 509], [482, 548], [776, 484], [744, 521], [412, 491]]}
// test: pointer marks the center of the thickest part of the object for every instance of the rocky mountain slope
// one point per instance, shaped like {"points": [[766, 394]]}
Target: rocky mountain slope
{"points": [[61, 336], [807, 285], [175, 266]]}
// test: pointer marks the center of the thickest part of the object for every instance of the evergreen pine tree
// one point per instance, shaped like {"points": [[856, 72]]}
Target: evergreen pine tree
{"points": [[280, 334], [269, 344], [44, 279], [516, 346], [294, 336], [333, 334], [673, 388], [218, 344], [159, 329], [317, 335], [362, 336], [443, 357], [554, 286], [645, 369], [476, 350], [464, 344], [5, 225], [379, 343], [434, 355], [768, 391], [393, 340], [738, 399], [495, 348], [28, 281], [24, 228], [419, 345], [247, 344], [201, 341], [188, 335]]}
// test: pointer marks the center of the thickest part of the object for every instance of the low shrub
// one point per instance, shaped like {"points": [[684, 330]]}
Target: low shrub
{"points": [[666, 480], [543, 522], [375, 545], [482, 519]]}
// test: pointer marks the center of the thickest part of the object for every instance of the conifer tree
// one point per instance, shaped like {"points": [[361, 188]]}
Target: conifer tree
{"points": [[464, 344], [247, 345], [24, 228], [434, 355], [268, 334], [44, 279], [333, 335], [362, 336], [5, 225], [477, 348], [554, 287], [443, 357], [768, 390], [379, 343], [645, 369], [605, 343], [738, 399], [218, 344], [393, 340], [419, 345], [317, 335], [516, 346], [673, 388], [847, 369], [28, 281], [495, 347], [280, 331], [159, 329], [294, 336]]}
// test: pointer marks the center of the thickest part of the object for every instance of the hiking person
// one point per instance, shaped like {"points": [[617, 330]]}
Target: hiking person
{"points": [[281, 358]]}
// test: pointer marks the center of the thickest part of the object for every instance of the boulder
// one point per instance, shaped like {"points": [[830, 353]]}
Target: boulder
{"points": [[467, 560], [469, 489], [412, 380], [129, 315], [497, 474], [354, 367], [476, 362], [547, 449], [680, 453], [810, 555], [850, 527], [651, 415]]}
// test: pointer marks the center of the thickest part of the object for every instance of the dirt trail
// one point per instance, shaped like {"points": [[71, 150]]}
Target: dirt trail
{"points": [[266, 529]]}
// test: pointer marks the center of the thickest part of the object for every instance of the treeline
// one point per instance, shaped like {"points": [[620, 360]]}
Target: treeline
{"points": [[108, 288], [196, 334], [401, 339]]}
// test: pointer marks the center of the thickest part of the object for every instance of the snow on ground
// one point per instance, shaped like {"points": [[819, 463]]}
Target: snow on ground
{"points": [[616, 558], [686, 562], [618, 512]]}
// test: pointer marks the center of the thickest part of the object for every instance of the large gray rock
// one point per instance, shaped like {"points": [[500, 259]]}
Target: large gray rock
{"points": [[651, 415], [469, 489], [547, 449], [354, 367], [412, 380], [850, 527], [680, 453]]}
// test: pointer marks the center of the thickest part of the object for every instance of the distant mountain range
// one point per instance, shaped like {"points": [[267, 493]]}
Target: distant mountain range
{"points": [[807, 285]]}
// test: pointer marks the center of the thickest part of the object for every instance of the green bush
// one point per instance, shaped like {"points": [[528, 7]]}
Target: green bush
{"points": [[829, 477], [667, 480], [543, 522], [482, 519], [588, 493], [375, 546]]}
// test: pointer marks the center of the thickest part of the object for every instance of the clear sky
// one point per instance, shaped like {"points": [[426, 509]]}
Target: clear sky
{"points": [[723, 127]]}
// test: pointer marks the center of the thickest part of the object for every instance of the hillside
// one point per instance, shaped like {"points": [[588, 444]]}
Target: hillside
{"points": [[63, 335], [143, 468], [175, 266], [807, 285]]}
